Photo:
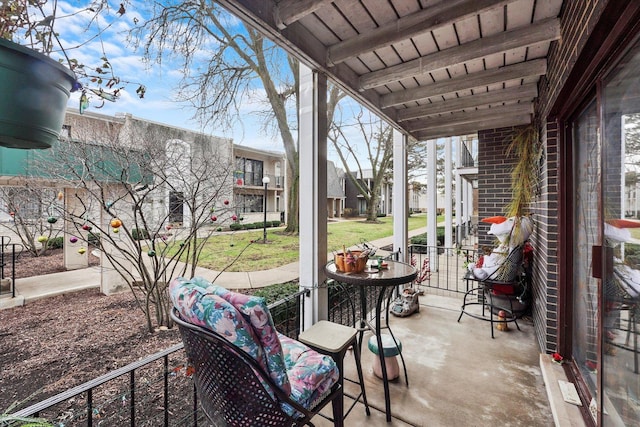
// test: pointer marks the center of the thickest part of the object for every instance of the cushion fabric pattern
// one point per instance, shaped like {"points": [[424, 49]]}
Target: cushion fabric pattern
{"points": [[244, 320]]}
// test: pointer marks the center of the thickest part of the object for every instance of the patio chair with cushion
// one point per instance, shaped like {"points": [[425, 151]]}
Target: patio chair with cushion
{"points": [[507, 280], [245, 372]]}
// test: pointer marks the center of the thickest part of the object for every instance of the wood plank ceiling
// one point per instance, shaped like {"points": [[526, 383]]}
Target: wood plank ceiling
{"points": [[433, 68]]}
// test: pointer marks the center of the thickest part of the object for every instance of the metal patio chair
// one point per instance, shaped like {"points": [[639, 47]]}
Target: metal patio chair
{"points": [[234, 390]]}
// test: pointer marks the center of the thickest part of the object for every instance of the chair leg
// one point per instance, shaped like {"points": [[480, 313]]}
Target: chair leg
{"points": [[338, 408], [357, 357]]}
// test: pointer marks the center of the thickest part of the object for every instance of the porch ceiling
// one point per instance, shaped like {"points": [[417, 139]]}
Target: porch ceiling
{"points": [[433, 68]]}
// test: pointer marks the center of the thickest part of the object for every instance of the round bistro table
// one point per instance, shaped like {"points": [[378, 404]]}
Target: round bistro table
{"points": [[385, 281]]}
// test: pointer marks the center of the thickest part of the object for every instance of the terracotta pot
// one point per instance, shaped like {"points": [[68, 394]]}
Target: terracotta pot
{"points": [[35, 90], [343, 266]]}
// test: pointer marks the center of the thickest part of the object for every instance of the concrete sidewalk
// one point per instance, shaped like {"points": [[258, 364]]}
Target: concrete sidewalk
{"points": [[32, 288]]}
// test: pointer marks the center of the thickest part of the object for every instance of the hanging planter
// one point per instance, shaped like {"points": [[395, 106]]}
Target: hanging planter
{"points": [[35, 90]]}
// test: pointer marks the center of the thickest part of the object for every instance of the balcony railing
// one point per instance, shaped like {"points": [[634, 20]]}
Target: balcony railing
{"points": [[155, 391], [275, 181], [158, 391]]}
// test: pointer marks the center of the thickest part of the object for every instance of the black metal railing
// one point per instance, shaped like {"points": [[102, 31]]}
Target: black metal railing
{"points": [[8, 255], [442, 268], [155, 391]]}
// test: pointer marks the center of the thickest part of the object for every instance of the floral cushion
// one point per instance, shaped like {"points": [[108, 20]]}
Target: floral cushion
{"points": [[255, 311], [311, 374], [199, 307], [246, 322]]}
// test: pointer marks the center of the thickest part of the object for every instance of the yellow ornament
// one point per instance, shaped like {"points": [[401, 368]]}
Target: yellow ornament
{"points": [[81, 251]]}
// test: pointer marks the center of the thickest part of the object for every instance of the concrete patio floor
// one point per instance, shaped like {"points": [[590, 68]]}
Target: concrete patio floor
{"points": [[458, 375]]}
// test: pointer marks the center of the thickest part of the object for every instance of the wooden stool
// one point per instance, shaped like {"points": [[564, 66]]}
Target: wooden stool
{"points": [[334, 339], [390, 351]]}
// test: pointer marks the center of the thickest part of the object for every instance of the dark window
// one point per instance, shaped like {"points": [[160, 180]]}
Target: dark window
{"points": [[247, 203], [250, 170], [176, 203]]}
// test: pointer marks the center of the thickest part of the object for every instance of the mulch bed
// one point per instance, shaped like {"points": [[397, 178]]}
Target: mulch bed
{"points": [[53, 344]]}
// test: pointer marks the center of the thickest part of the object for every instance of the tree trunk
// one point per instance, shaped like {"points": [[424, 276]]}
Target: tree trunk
{"points": [[293, 219], [372, 208]]}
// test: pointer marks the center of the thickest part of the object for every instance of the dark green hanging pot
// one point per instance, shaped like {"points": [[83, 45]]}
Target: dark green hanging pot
{"points": [[34, 90]]}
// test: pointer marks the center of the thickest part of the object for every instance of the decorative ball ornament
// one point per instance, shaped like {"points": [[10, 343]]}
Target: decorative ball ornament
{"points": [[168, 227], [52, 220], [219, 229], [214, 218], [86, 227], [226, 202], [109, 204], [115, 223], [81, 251], [73, 239], [42, 239], [212, 209], [151, 253], [115, 230], [181, 244], [234, 217], [60, 195]]}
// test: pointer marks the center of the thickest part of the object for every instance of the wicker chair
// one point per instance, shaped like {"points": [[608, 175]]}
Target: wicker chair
{"points": [[234, 390], [503, 280]]}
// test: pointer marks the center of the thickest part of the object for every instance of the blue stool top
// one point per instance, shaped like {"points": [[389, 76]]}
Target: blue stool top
{"points": [[388, 346]]}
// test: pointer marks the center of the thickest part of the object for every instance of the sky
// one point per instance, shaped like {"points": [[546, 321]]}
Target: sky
{"points": [[160, 81]]}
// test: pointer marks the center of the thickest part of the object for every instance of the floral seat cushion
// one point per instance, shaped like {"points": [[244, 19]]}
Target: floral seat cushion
{"points": [[299, 371]]}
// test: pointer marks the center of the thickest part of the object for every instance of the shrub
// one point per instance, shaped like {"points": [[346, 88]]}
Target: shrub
{"points": [[277, 292], [55, 243], [94, 239], [235, 226], [421, 239], [139, 234], [275, 223], [349, 213]]}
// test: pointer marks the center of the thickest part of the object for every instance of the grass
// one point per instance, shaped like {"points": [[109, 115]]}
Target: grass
{"points": [[222, 250]]}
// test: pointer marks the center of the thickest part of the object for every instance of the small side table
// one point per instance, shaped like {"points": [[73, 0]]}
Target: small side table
{"points": [[334, 339]]}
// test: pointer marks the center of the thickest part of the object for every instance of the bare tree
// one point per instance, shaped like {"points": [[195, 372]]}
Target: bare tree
{"points": [[122, 179], [374, 137], [32, 210], [240, 63]]}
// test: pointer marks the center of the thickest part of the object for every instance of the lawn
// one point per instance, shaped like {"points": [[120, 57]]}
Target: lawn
{"points": [[222, 249]]}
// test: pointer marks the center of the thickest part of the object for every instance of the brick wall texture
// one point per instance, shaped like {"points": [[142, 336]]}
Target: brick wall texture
{"points": [[578, 18]]}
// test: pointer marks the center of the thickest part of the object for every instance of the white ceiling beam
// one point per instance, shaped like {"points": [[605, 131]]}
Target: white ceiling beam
{"points": [[428, 19], [537, 67], [538, 32], [516, 93], [286, 12], [466, 117], [454, 130]]}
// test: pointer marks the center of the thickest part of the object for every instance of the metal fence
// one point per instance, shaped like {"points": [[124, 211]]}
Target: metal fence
{"points": [[442, 268], [9, 252], [155, 391]]}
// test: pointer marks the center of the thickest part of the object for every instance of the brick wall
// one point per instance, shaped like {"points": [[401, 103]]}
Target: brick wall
{"points": [[577, 19], [494, 177], [545, 243]]}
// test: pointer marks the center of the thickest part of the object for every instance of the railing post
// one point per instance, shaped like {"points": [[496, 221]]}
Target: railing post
{"points": [[166, 391], [132, 401], [89, 407]]}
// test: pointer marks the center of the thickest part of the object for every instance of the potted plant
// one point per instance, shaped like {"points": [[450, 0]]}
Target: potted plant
{"points": [[36, 87], [526, 147]]}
